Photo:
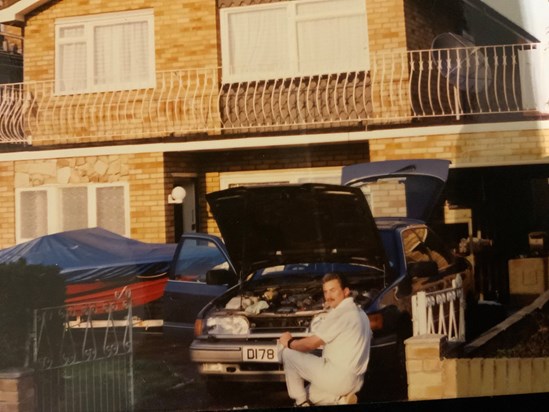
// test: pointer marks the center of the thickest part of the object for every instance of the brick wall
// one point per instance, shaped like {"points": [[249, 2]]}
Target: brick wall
{"points": [[16, 390], [148, 197], [7, 200], [210, 165], [388, 199], [185, 32], [149, 212], [185, 39], [467, 148], [386, 35], [426, 19], [386, 28], [431, 376]]}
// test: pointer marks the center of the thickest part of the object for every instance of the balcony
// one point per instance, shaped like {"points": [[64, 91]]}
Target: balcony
{"points": [[422, 86]]}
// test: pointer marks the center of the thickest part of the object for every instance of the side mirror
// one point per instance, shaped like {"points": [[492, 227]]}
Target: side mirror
{"points": [[220, 277], [423, 269]]}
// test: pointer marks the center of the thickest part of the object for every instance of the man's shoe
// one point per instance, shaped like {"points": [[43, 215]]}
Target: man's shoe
{"points": [[304, 403], [349, 399]]}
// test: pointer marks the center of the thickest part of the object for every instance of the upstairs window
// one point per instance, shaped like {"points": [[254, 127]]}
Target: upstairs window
{"points": [[113, 51], [297, 38], [44, 210]]}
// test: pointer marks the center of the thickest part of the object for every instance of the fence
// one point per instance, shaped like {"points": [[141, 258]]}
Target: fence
{"points": [[398, 87], [78, 366], [440, 312]]}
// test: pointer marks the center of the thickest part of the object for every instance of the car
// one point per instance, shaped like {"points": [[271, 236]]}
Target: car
{"points": [[188, 289], [281, 240], [278, 241]]}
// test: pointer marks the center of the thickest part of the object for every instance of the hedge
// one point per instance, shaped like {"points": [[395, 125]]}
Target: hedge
{"points": [[24, 288]]}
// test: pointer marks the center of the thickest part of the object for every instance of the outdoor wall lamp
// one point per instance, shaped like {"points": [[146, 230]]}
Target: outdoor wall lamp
{"points": [[177, 196]]}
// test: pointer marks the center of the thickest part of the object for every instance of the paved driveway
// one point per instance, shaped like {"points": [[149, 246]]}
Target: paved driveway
{"points": [[165, 380]]}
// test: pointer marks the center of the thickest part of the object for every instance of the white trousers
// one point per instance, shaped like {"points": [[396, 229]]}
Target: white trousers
{"points": [[327, 382]]}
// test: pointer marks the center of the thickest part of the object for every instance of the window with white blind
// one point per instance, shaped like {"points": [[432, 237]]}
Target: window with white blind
{"points": [[112, 51], [50, 209], [293, 38], [331, 175]]}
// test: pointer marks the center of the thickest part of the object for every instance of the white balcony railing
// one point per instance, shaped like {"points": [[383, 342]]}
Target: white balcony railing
{"points": [[399, 87], [441, 312]]}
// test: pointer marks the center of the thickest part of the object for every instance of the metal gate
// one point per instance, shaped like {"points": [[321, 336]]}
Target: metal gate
{"points": [[83, 356]]}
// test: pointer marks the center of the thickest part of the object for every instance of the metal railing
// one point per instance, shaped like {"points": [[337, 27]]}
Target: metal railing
{"points": [[441, 312], [80, 367], [399, 87]]}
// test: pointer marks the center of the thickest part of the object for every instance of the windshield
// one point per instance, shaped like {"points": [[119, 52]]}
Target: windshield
{"points": [[195, 258]]}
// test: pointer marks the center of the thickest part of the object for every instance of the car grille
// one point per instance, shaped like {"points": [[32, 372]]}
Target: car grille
{"points": [[279, 324]]}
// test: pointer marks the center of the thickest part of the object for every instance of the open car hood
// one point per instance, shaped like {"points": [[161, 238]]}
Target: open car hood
{"points": [[423, 180], [265, 226]]}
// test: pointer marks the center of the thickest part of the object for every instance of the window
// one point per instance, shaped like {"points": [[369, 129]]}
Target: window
{"points": [[196, 257], [422, 245], [331, 175], [297, 38], [50, 209], [113, 51]]}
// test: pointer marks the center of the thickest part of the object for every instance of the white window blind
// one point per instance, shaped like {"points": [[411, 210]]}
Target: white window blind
{"points": [[111, 208], [52, 209], [297, 38], [74, 207], [113, 51], [34, 208], [280, 176]]}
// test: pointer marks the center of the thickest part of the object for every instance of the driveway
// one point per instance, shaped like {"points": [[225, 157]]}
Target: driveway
{"points": [[165, 380]]}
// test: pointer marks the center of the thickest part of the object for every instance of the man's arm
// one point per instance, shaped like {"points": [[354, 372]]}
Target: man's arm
{"points": [[301, 344]]}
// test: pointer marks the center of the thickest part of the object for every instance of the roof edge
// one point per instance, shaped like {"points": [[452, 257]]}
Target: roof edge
{"points": [[18, 10]]}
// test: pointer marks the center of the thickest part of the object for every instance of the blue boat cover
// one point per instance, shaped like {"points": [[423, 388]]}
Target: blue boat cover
{"points": [[88, 255]]}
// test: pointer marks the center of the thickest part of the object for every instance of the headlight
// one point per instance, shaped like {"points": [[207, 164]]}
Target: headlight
{"points": [[227, 325], [317, 320]]}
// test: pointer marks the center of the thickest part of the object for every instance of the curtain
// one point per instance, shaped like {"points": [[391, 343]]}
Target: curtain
{"points": [[34, 214], [258, 41], [110, 209], [295, 39], [331, 45], [120, 53], [74, 208], [72, 59]]}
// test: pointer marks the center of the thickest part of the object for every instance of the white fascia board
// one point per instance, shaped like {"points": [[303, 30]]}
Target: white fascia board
{"points": [[17, 11], [281, 141]]}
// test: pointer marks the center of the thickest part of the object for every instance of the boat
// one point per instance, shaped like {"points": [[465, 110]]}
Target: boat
{"points": [[98, 265]]}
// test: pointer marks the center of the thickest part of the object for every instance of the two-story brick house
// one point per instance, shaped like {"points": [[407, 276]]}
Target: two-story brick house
{"points": [[123, 100]]}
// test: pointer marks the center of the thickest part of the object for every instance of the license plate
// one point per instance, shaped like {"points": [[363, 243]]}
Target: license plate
{"points": [[259, 353]]}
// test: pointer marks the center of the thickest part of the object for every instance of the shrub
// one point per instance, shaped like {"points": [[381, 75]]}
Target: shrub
{"points": [[24, 288]]}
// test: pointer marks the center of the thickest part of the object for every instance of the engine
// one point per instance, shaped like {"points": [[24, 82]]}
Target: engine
{"points": [[280, 300]]}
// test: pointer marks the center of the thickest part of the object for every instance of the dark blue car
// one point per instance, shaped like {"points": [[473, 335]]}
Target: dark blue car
{"points": [[239, 295]]}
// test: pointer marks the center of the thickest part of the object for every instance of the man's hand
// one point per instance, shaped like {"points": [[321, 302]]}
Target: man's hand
{"points": [[301, 344], [284, 338]]}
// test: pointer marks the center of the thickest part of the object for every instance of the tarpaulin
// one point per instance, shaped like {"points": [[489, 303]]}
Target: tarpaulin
{"points": [[95, 254]]}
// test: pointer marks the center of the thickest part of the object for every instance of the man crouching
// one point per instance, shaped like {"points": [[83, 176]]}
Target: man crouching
{"points": [[345, 333]]}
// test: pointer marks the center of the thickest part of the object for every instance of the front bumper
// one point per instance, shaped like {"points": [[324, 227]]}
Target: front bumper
{"points": [[224, 359]]}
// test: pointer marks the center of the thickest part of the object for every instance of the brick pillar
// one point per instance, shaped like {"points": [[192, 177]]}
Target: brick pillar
{"points": [[424, 366], [17, 390]]}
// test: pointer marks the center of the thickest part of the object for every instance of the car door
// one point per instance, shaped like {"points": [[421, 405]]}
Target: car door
{"points": [[186, 290]]}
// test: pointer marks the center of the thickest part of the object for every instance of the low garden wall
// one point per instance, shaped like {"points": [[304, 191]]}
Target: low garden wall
{"points": [[432, 374], [17, 390]]}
